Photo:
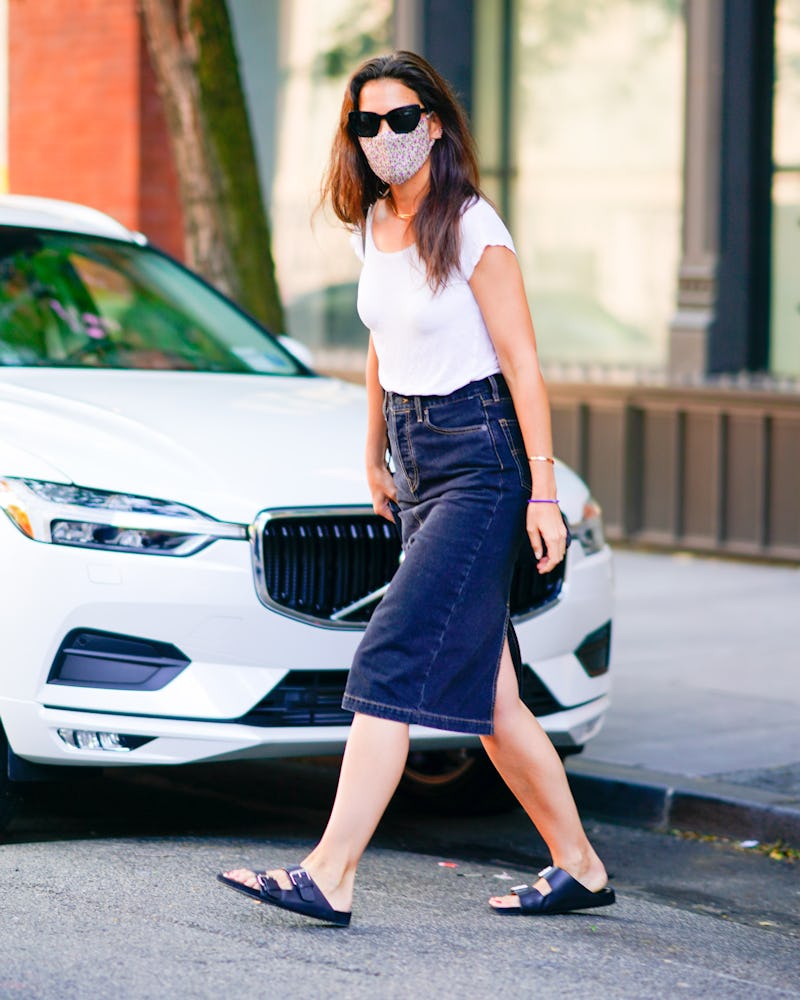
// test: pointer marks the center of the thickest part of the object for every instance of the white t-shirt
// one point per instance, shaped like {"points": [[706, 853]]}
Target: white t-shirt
{"points": [[427, 343]]}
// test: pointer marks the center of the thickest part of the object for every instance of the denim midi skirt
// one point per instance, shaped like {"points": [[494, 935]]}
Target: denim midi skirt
{"points": [[431, 652]]}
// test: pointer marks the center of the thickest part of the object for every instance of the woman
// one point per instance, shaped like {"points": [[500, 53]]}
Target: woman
{"points": [[453, 383]]}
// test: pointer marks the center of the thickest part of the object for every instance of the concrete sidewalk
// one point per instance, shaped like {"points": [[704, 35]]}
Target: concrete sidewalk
{"points": [[704, 728]]}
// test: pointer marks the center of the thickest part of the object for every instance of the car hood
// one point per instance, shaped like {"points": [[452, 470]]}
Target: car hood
{"points": [[228, 445]]}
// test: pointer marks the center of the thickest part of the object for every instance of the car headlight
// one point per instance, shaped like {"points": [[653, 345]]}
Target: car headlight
{"points": [[589, 530], [62, 514]]}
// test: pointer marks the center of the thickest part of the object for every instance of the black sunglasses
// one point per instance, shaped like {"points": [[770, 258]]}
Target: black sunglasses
{"points": [[366, 123]]}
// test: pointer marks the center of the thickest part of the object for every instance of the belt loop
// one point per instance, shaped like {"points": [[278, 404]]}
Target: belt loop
{"points": [[418, 408], [495, 390]]}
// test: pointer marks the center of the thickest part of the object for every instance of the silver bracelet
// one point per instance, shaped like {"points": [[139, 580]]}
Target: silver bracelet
{"points": [[532, 500]]}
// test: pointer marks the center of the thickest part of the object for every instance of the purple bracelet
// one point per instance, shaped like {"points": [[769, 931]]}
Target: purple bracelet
{"points": [[542, 501]]}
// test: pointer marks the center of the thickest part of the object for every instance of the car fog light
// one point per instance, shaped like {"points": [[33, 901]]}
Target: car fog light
{"points": [[86, 739], [111, 741]]}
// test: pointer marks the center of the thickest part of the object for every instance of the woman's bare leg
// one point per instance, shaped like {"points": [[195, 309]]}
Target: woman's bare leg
{"points": [[372, 765], [523, 754]]}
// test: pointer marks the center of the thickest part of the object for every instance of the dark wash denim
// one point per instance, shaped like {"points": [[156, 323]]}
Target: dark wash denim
{"points": [[431, 652]]}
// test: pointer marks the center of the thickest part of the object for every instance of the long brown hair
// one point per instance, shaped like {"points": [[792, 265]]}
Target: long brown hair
{"points": [[352, 188]]}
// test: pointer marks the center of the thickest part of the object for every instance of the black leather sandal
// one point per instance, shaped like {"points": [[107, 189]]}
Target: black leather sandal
{"points": [[304, 897], [566, 895]]}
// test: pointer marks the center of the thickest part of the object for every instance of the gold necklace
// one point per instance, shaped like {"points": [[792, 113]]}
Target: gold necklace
{"points": [[405, 216]]}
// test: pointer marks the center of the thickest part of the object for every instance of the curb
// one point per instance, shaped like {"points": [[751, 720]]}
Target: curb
{"points": [[635, 797]]}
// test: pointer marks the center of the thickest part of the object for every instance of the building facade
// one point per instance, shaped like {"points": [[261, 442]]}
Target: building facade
{"points": [[645, 154]]}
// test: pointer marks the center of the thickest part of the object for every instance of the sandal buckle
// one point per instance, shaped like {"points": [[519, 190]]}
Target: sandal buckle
{"points": [[299, 878]]}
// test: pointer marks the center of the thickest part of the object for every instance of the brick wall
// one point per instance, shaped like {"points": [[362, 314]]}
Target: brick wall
{"points": [[85, 120]]}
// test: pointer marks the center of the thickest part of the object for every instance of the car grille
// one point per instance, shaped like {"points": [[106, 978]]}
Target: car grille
{"points": [[331, 566], [314, 698], [303, 698]]}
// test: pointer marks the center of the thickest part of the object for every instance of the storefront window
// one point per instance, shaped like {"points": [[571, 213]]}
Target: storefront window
{"points": [[578, 108], [785, 319], [595, 191]]}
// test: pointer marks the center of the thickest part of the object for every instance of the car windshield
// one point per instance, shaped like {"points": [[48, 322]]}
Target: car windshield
{"points": [[84, 302]]}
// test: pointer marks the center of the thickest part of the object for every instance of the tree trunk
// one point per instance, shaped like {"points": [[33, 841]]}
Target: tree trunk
{"points": [[226, 236]]}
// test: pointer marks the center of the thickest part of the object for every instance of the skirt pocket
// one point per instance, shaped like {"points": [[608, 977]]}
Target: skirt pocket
{"points": [[406, 470], [458, 416], [516, 447]]}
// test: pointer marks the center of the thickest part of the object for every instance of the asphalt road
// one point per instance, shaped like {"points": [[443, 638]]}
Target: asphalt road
{"points": [[108, 890]]}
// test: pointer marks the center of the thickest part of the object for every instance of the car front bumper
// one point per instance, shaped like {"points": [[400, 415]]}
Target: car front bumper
{"points": [[238, 651]]}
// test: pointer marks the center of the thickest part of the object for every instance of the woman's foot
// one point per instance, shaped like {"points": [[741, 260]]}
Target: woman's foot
{"points": [[339, 893], [590, 873]]}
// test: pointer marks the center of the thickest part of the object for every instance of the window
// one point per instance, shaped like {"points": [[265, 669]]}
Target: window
{"points": [[595, 190], [82, 302]]}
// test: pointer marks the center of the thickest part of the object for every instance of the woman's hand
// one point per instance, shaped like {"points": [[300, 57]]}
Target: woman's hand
{"points": [[382, 489], [546, 530]]}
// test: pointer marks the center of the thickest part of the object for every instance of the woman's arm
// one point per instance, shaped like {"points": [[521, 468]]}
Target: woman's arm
{"points": [[499, 291], [379, 479]]}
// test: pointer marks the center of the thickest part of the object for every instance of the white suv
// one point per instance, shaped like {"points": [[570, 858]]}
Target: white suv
{"points": [[187, 551]]}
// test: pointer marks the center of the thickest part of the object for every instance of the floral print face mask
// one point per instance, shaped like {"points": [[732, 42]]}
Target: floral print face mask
{"points": [[396, 156]]}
